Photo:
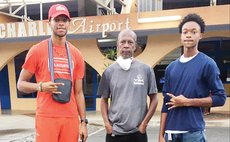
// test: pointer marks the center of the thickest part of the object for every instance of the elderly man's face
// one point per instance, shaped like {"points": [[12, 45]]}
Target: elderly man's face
{"points": [[126, 45]]}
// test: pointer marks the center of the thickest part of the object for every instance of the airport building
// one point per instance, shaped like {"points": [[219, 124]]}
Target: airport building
{"points": [[94, 27]]}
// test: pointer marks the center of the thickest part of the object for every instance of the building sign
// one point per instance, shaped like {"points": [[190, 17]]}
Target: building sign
{"points": [[77, 26], [157, 21], [81, 25], [24, 29]]}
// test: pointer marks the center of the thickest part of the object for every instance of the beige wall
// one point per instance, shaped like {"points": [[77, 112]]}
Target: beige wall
{"points": [[5, 18], [11, 49], [91, 53], [157, 47], [18, 103], [227, 89]]}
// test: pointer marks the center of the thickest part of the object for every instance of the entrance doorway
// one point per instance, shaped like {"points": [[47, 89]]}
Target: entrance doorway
{"points": [[4, 89], [90, 84]]}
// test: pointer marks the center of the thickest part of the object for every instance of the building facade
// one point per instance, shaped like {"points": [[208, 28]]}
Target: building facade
{"points": [[95, 37]]}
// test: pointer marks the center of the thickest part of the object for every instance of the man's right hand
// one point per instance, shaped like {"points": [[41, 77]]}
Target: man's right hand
{"points": [[51, 87]]}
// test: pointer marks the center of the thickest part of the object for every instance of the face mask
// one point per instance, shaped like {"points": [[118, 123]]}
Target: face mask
{"points": [[125, 64]]}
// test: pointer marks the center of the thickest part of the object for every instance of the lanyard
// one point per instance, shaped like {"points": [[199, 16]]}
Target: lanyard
{"points": [[51, 62]]}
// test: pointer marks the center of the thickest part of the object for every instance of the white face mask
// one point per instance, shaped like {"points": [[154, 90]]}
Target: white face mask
{"points": [[125, 64]]}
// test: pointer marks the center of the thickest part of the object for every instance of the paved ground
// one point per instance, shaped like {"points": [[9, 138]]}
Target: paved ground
{"points": [[19, 127], [214, 134]]}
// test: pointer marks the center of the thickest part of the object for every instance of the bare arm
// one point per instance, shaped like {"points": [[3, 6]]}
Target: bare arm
{"points": [[24, 85], [181, 101], [104, 113], [162, 127], [80, 99], [151, 111]]}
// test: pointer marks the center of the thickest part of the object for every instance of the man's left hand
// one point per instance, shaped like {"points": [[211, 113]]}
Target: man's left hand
{"points": [[83, 132], [177, 101], [142, 129]]}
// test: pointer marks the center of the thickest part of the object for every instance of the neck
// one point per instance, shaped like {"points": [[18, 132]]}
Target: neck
{"points": [[60, 41], [189, 52]]}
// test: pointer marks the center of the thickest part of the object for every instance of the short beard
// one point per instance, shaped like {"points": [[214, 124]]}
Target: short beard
{"points": [[58, 35]]}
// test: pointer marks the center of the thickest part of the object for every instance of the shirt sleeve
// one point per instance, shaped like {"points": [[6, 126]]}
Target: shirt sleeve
{"points": [[165, 90], [79, 69], [103, 88], [31, 61], [152, 88], [215, 84]]}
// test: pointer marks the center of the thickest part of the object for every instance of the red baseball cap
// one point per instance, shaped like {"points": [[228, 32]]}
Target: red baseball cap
{"points": [[58, 9]]}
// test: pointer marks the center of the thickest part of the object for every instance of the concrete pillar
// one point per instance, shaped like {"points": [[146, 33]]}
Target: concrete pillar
{"points": [[81, 8]]}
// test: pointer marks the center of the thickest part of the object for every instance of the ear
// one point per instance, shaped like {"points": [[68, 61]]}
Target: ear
{"points": [[49, 22], [117, 46], [135, 47], [118, 50], [201, 35]]}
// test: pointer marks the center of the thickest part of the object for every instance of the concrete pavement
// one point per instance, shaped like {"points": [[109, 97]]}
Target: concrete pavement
{"points": [[214, 134], [19, 127], [217, 127]]}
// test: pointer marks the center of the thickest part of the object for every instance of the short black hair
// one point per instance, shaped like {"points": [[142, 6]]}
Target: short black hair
{"points": [[195, 18]]}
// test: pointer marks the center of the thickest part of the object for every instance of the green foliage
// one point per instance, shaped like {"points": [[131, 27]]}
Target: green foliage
{"points": [[110, 54]]}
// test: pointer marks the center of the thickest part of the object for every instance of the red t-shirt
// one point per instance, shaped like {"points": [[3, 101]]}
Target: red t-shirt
{"points": [[37, 62]]}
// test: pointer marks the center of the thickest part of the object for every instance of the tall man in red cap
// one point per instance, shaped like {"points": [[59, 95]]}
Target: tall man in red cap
{"points": [[59, 68]]}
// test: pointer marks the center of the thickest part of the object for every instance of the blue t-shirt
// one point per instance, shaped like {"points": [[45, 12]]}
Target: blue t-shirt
{"points": [[193, 79]]}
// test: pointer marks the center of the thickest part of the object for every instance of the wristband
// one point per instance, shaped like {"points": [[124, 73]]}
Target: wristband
{"points": [[40, 87]]}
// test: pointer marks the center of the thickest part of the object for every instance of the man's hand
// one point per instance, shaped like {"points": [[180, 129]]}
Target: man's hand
{"points": [[177, 101], [83, 132], [142, 128], [51, 87], [109, 128], [161, 139]]}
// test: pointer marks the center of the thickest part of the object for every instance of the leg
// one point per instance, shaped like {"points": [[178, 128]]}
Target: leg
{"points": [[110, 138], [70, 130], [138, 137], [198, 136], [47, 129], [121, 138]]}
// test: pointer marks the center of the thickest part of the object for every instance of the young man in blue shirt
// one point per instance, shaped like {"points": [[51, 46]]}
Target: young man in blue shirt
{"points": [[188, 81]]}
